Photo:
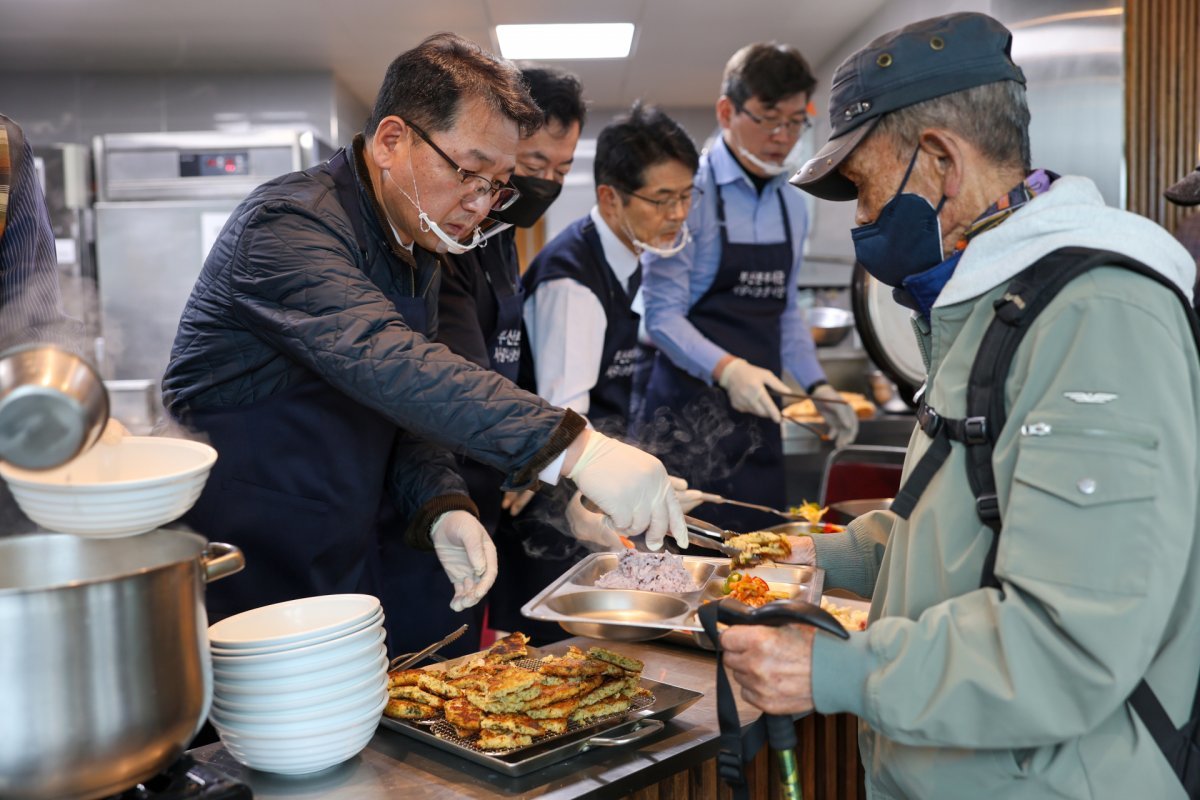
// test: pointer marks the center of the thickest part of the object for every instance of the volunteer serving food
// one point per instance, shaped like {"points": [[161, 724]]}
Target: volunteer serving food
{"points": [[302, 355]]}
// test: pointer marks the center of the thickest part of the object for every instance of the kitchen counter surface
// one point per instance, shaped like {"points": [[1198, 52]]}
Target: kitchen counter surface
{"points": [[394, 765]]}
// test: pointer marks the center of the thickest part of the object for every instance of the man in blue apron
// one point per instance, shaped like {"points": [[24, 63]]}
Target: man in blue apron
{"points": [[301, 357], [582, 313], [479, 306], [724, 309]]}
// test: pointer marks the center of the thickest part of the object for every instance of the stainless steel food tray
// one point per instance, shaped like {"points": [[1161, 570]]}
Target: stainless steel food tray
{"points": [[579, 606], [620, 729]]}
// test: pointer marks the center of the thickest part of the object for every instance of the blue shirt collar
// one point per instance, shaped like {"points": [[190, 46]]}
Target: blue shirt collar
{"points": [[727, 170]]}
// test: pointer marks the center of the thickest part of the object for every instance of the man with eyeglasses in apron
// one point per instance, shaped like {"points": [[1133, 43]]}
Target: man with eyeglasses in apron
{"points": [[723, 310]]}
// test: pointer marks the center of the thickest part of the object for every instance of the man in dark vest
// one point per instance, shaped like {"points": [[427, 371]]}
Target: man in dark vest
{"points": [[304, 356]]}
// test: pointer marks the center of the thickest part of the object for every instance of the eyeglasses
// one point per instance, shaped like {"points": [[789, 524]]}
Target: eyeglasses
{"points": [[774, 126], [503, 195], [668, 204]]}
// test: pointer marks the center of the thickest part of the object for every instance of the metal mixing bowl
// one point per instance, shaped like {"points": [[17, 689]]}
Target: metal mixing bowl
{"points": [[604, 610], [829, 325]]}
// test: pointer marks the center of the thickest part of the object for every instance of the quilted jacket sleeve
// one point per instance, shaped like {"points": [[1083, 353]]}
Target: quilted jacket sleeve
{"points": [[296, 284], [424, 484]]}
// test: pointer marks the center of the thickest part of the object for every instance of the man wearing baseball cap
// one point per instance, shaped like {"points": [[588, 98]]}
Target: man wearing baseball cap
{"points": [[1002, 666]]}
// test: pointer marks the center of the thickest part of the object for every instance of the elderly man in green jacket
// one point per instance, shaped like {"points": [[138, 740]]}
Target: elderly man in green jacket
{"points": [[1016, 687]]}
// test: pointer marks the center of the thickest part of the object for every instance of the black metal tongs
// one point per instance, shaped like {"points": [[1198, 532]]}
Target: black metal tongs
{"points": [[780, 731]]}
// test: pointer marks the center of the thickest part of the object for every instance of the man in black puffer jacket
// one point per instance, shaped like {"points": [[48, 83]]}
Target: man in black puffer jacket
{"points": [[304, 355]]}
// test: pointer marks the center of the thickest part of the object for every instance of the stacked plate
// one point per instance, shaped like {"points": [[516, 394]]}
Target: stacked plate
{"points": [[299, 686]]}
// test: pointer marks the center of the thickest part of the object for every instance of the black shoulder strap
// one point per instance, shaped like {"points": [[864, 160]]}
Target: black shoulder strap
{"points": [[1027, 295]]}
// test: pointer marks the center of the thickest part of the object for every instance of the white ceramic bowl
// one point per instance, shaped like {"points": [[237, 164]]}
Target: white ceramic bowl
{"points": [[362, 652], [373, 620], [292, 655], [293, 621], [284, 736], [310, 681], [320, 697], [137, 485], [344, 708], [306, 761]]}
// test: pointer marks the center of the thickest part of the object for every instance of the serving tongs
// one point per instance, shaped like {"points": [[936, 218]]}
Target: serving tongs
{"points": [[408, 659], [712, 537], [717, 499]]}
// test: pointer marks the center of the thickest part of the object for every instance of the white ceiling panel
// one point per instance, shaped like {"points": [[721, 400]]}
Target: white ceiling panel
{"points": [[679, 49]]}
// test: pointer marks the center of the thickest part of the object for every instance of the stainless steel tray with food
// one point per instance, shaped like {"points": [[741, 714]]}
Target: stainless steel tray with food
{"points": [[578, 602], [645, 714]]}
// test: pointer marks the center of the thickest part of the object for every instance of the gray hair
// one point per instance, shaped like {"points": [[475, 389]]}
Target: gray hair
{"points": [[993, 117]]}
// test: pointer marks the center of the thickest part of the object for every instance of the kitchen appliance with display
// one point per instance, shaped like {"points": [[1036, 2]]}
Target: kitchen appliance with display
{"points": [[162, 199]]}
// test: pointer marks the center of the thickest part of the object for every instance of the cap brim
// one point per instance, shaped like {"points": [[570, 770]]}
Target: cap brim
{"points": [[1187, 191], [820, 177]]}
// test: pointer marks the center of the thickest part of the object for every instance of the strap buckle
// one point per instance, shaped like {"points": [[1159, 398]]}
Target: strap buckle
{"points": [[975, 430], [730, 768], [987, 506], [930, 421]]}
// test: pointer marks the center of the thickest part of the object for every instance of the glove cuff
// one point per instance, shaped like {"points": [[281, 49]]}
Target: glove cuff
{"points": [[817, 384], [727, 373], [418, 532], [560, 439]]}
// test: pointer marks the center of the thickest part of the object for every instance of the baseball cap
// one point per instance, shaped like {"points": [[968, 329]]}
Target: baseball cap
{"points": [[1187, 191], [918, 62]]}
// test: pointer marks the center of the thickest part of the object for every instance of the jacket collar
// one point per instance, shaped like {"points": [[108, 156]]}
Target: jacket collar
{"points": [[377, 220]]}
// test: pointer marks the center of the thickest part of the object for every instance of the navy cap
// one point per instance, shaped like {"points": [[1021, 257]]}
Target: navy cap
{"points": [[918, 62], [1187, 191]]}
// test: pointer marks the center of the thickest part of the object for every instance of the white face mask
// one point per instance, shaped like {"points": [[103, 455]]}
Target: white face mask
{"points": [[681, 241], [791, 162], [452, 246]]}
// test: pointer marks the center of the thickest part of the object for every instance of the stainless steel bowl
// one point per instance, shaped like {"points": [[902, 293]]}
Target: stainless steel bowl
{"points": [[53, 406], [105, 673], [847, 510], [829, 325], [604, 610]]}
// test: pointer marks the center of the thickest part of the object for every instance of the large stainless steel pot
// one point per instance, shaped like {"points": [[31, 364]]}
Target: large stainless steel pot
{"points": [[105, 672]]}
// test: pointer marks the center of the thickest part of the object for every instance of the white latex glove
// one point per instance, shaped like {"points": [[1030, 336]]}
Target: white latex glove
{"points": [[467, 555], [839, 416], [690, 498], [631, 487], [590, 528], [747, 387]]}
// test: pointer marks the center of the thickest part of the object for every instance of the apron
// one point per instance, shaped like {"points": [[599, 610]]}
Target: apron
{"points": [[300, 476], [740, 313], [498, 265]]}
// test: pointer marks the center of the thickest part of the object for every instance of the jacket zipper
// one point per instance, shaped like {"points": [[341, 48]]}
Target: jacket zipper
{"points": [[1041, 429]]}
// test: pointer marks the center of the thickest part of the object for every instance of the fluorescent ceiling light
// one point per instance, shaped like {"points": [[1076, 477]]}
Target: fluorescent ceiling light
{"points": [[563, 42]]}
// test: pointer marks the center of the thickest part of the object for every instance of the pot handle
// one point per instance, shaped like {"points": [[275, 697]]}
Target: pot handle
{"points": [[220, 559]]}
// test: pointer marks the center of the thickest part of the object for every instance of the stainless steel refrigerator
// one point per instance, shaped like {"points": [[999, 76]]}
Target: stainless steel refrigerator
{"points": [[162, 199]]}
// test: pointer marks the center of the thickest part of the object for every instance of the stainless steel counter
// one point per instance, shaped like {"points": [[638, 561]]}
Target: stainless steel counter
{"points": [[395, 766]]}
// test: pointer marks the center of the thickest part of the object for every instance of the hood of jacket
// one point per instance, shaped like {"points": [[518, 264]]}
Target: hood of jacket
{"points": [[1071, 214]]}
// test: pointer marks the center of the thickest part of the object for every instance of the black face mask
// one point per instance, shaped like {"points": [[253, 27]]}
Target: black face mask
{"points": [[536, 196]]}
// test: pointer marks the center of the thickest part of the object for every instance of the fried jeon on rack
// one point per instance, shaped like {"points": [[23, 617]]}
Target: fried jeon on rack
{"points": [[407, 709], [576, 666], [585, 714], [605, 690], [404, 677], [628, 663], [556, 711], [498, 740], [509, 648], [464, 716], [513, 723], [416, 694], [435, 685]]}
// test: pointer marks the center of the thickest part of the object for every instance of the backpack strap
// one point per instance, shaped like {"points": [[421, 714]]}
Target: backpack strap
{"points": [[1027, 295]]}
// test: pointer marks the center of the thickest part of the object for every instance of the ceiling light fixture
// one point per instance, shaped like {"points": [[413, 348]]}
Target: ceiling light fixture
{"points": [[565, 42]]}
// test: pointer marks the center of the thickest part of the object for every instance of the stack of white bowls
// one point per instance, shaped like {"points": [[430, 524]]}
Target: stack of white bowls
{"points": [[299, 686]]}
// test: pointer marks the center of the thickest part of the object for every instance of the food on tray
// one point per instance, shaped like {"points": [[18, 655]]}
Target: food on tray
{"points": [[651, 572], [806, 410], [509, 648], [407, 709], [759, 546], [852, 619], [811, 513], [751, 590], [498, 704]]}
